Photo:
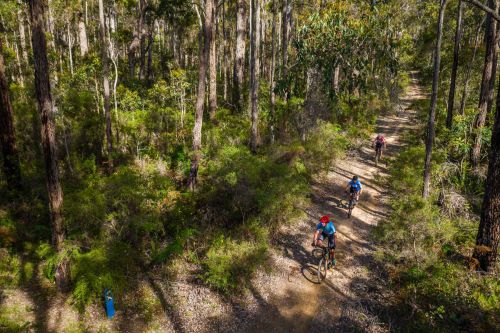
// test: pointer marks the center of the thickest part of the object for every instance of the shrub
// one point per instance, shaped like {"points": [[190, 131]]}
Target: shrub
{"points": [[230, 262]]}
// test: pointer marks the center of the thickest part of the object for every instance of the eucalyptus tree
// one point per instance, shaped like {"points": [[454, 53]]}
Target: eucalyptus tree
{"points": [[488, 236], [11, 166], [206, 31], [456, 51], [46, 109], [254, 72], [434, 95], [239, 61], [487, 81]]}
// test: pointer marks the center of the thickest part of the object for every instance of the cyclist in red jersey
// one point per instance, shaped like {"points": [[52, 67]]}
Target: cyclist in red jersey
{"points": [[378, 143]]}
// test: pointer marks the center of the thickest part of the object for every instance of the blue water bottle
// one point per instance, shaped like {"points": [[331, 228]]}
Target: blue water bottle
{"points": [[109, 303]]}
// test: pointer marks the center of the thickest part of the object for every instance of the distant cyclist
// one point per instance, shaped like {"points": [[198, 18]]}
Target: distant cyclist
{"points": [[378, 143], [325, 229], [354, 187]]}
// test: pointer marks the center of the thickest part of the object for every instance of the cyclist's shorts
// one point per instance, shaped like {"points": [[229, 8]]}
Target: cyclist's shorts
{"points": [[331, 241], [353, 190], [378, 145]]}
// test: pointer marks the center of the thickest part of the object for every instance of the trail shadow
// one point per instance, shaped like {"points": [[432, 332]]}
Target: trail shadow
{"points": [[169, 307], [39, 295]]}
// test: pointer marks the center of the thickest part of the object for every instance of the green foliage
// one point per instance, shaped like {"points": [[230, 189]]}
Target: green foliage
{"points": [[12, 319], [10, 268], [248, 195], [336, 36], [230, 262], [102, 267], [426, 250]]}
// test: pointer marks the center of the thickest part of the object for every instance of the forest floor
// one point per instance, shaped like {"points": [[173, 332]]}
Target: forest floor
{"points": [[285, 296]]}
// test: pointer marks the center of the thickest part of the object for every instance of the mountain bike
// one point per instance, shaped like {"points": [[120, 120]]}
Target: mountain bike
{"points": [[324, 264], [351, 203]]}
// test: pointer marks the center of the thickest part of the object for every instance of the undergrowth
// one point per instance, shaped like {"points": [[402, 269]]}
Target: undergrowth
{"points": [[426, 251]]}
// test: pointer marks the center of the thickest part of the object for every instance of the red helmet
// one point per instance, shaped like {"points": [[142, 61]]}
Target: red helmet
{"points": [[324, 219]]}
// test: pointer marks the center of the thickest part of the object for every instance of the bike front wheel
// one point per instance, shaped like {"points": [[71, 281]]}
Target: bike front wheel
{"points": [[349, 208], [322, 269]]}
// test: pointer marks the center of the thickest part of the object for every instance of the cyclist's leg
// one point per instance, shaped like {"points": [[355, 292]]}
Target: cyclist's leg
{"points": [[319, 240], [350, 195], [331, 248]]}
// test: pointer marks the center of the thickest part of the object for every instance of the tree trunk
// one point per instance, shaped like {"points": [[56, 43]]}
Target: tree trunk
{"points": [[70, 50], [82, 33], [335, 83], [254, 72], [272, 73], [432, 111], [212, 65], [45, 106], [456, 50], [204, 46], [143, 51], [285, 35], [136, 40], [486, 93], [11, 167], [488, 236], [105, 81], [224, 51], [239, 63], [465, 92], [285, 27], [22, 36]]}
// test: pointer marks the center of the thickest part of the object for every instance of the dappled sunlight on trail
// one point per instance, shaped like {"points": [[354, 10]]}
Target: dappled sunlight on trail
{"points": [[351, 298]]}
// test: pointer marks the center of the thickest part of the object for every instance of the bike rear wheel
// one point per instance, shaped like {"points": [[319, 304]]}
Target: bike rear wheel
{"points": [[378, 152], [350, 206], [322, 269]]}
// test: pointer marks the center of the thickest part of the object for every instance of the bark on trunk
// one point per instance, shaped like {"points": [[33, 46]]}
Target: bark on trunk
{"points": [[22, 36], [336, 74], [82, 33], [224, 51], [136, 40], [204, 46], [70, 50], [212, 64], [105, 81], [432, 111], [488, 236], [239, 63], [45, 106], [456, 50], [272, 73], [285, 35], [486, 93], [254, 72], [465, 91], [11, 167]]}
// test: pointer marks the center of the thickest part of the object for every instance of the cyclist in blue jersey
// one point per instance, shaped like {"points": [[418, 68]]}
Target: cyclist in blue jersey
{"points": [[325, 229], [354, 186]]}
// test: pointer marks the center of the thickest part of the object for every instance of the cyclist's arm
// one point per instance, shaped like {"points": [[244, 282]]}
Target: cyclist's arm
{"points": [[316, 234]]}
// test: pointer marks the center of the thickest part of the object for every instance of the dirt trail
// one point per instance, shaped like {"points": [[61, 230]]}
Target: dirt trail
{"points": [[352, 296]]}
